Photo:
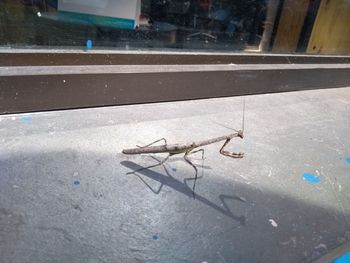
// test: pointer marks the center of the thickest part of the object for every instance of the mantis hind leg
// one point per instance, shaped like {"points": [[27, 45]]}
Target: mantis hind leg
{"points": [[200, 150], [230, 154], [194, 167], [162, 139], [151, 166]]}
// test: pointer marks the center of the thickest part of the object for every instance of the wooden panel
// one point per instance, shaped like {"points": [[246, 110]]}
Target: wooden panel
{"points": [[331, 33], [271, 13], [290, 25]]}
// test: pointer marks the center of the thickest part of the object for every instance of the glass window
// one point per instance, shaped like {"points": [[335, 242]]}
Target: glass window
{"points": [[280, 26]]}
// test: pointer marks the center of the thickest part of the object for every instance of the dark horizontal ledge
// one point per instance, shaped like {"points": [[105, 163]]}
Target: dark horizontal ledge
{"points": [[38, 91], [132, 69], [44, 57]]}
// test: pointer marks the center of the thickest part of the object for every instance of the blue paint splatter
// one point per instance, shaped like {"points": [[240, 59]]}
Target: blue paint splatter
{"points": [[343, 259], [155, 237], [76, 183], [88, 44], [26, 118], [347, 159], [311, 178]]}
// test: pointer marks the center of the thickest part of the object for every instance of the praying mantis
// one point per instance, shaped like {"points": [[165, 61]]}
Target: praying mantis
{"points": [[187, 149]]}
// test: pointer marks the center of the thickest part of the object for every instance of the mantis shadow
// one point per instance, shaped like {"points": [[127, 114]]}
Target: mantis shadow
{"points": [[183, 188]]}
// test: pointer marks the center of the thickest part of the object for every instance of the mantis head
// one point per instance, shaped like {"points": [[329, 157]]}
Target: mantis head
{"points": [[240, 134]]}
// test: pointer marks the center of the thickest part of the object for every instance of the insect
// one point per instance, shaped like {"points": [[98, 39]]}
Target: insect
{"points": [[187, 149]]}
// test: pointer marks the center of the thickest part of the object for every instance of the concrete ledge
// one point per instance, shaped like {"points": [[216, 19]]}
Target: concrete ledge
{"points": [[65, 90]]}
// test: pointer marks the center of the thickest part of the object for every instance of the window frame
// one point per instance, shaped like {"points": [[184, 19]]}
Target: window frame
{"points": [[41, 92]]}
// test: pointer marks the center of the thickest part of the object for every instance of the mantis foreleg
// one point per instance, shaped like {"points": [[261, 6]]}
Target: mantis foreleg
{"points": [[230, 154]]}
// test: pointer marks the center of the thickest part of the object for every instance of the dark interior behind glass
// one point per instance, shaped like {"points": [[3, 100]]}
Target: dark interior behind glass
{"points": [[280, 26]]}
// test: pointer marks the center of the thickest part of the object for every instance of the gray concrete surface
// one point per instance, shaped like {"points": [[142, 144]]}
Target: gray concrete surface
{"points": [[65, 195]]}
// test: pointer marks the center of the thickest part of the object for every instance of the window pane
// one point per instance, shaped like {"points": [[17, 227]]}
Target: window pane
{"points": [[280, 26]]}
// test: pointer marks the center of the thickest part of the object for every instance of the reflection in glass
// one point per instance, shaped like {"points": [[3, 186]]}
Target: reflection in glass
{"points": [[286, 26]]}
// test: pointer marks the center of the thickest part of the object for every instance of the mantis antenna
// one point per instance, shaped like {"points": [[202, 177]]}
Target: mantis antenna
{"points": [[243, 114]]}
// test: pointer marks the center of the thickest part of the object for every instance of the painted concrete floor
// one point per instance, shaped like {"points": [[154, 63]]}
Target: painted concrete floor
{"points": [[65, 195]]}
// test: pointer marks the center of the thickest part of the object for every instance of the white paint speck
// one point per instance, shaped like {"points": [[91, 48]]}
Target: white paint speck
{"points": [[13, 118], [244, 177], [341, 240], [242, 199], [321, 247], [291, 241], [270, 173], [64, 81], [273, 223], [75, 174], [38, 14]]}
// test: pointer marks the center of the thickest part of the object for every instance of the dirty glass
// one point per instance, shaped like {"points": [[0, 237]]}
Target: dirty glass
{"points": [[279, 26]]}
